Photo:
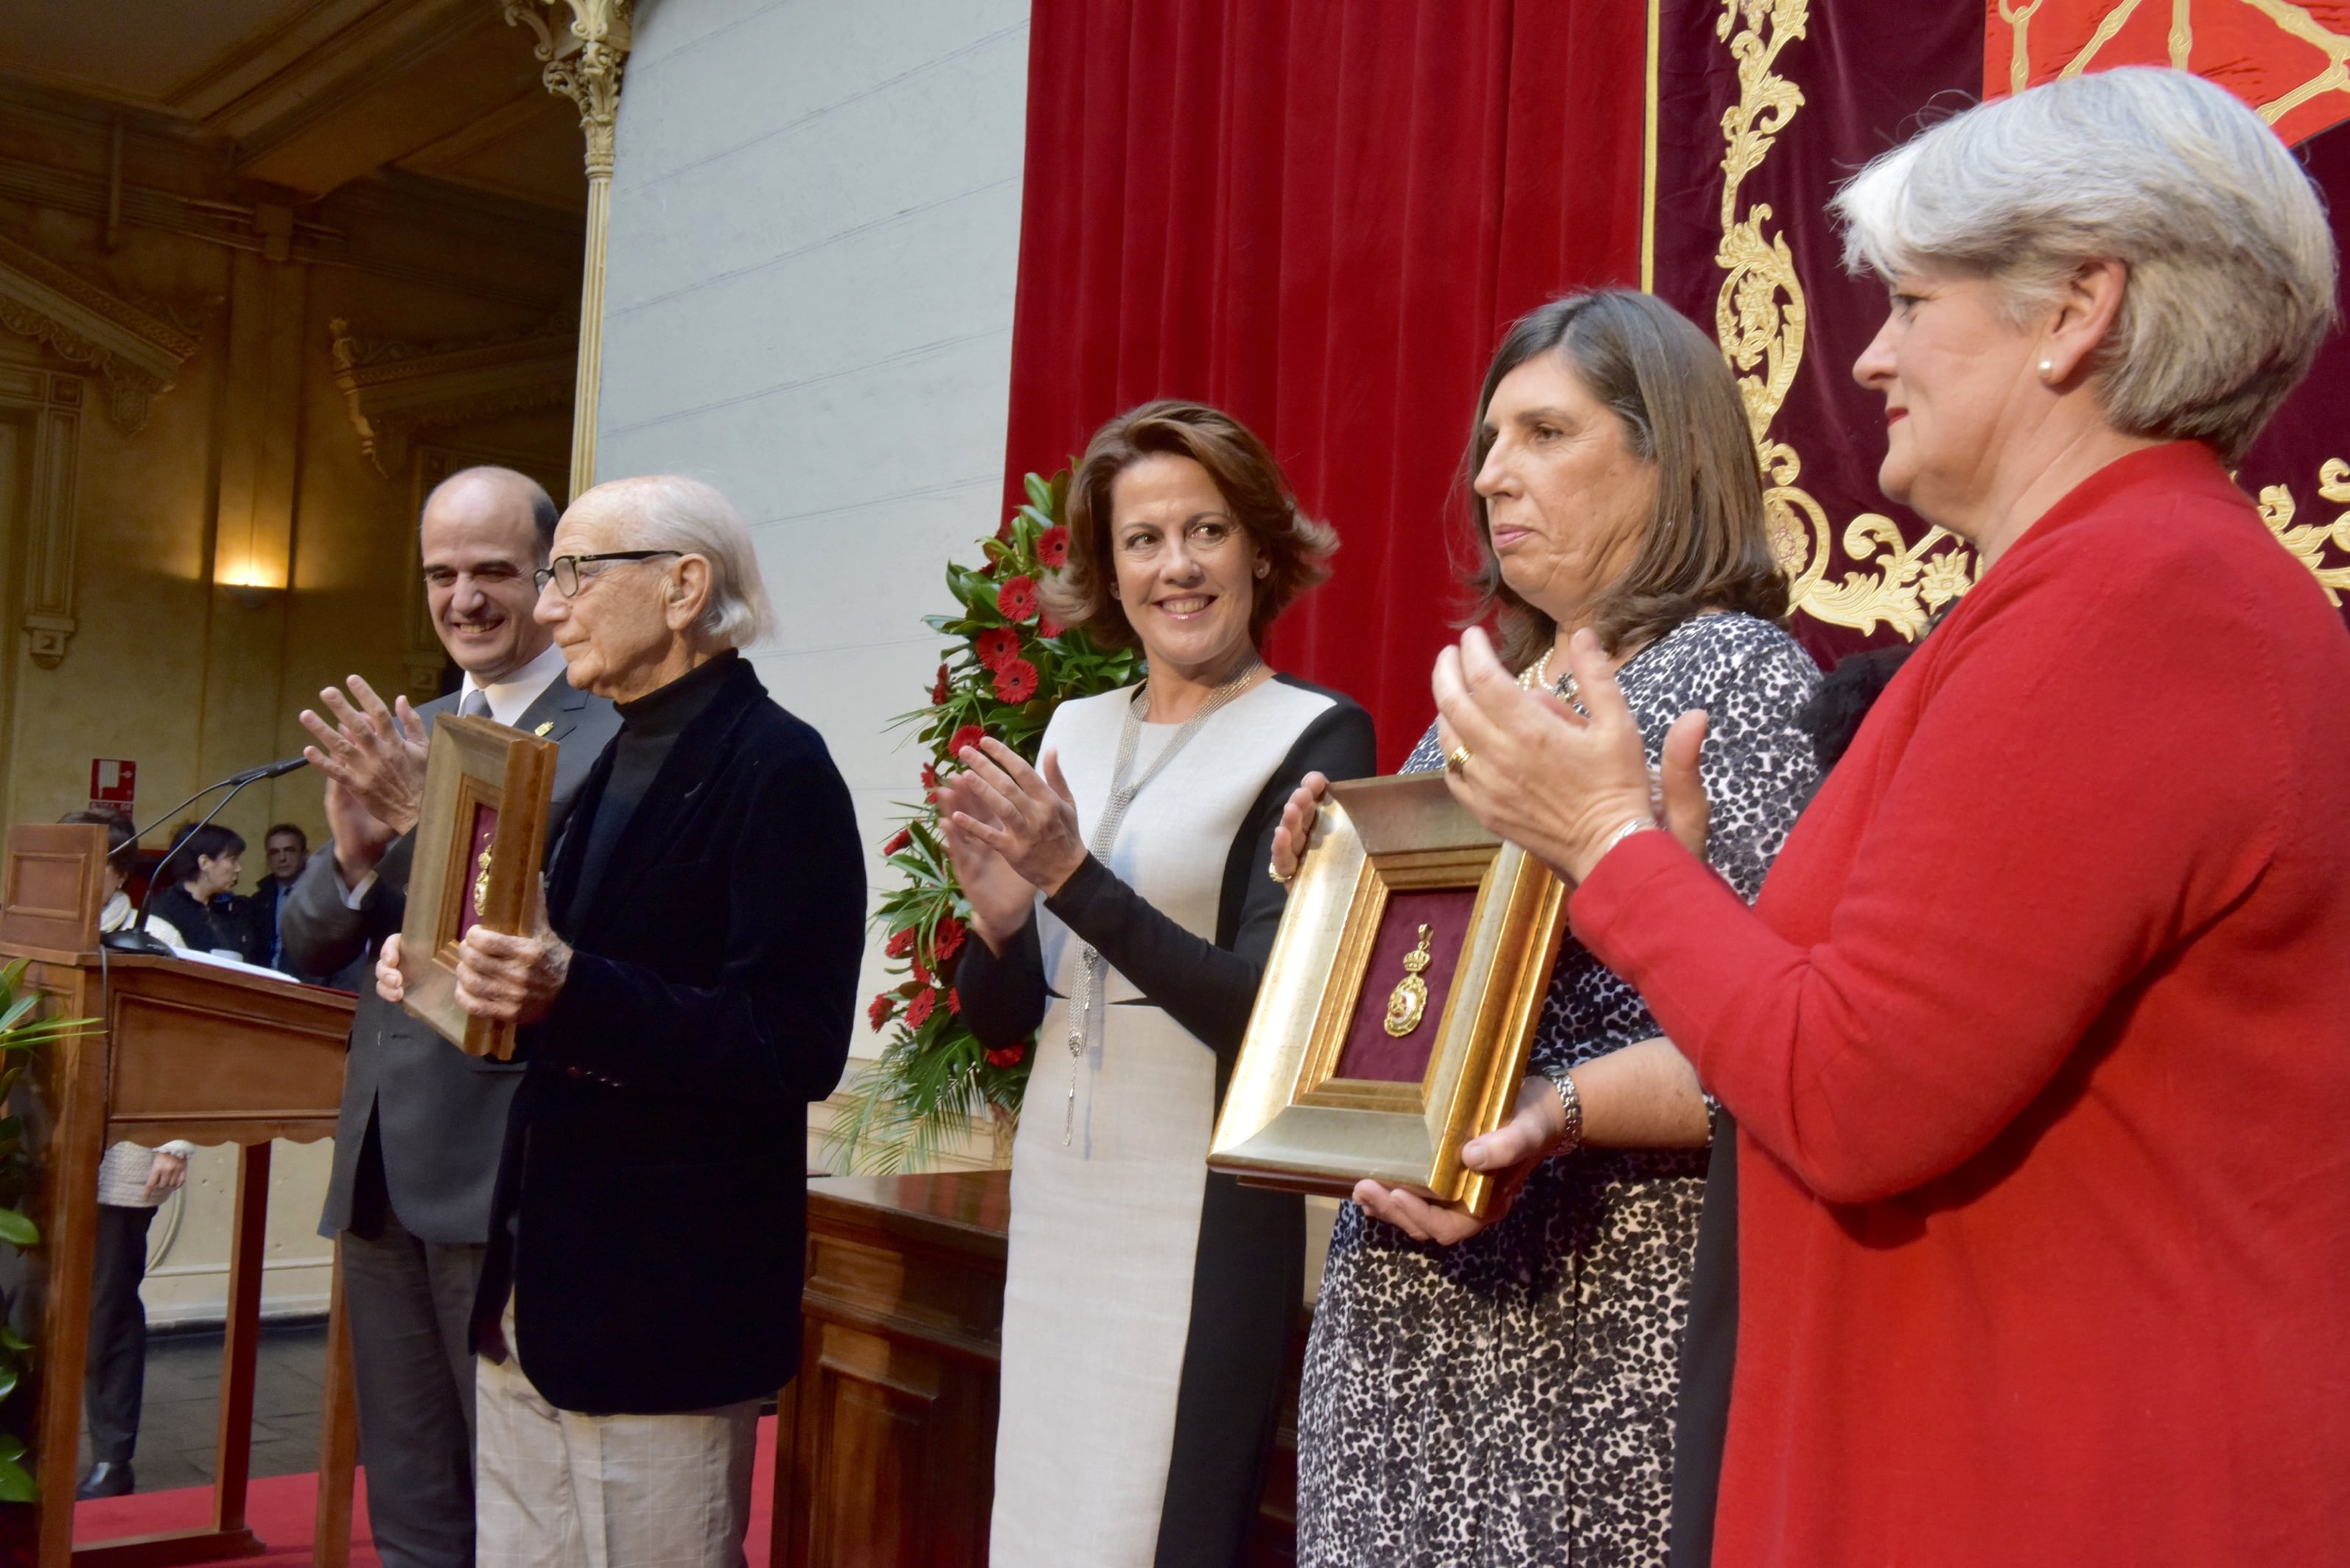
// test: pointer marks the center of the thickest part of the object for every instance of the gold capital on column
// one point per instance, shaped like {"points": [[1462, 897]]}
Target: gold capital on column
{"points": [[584, 65]]}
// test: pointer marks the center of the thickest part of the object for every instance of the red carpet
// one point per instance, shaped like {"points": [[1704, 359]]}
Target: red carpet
{"points": [[282, 1510]]}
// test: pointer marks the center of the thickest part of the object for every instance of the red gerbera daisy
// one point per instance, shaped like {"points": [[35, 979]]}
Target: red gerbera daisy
{"points": [[1016, 681], [1008, 1057], [954, 1001], [922, 972], [900, 944], [880, 1011], [919, 1009], [898, 841], [939, 691], [996, 647], [1052, 547], [1017, 600], [969, 735], [946, 939], [1047, 627]]}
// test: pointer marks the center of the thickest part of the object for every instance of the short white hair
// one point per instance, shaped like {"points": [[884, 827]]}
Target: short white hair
{"points": [[670, 511], [2230, 258]]}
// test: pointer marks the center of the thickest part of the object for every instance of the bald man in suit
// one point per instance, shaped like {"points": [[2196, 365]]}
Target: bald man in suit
{"points": [[417, 1142]]}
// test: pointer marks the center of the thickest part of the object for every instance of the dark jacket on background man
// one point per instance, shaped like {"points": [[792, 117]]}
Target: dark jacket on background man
{"points": [[437, 1113], [650, 1209]]}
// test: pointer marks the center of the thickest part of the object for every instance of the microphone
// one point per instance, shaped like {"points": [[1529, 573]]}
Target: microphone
{"points": [[134, 937]]}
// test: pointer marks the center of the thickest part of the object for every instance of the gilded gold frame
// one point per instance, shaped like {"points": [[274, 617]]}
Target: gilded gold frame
{"points": [[1286, 1120], [474, 763]]}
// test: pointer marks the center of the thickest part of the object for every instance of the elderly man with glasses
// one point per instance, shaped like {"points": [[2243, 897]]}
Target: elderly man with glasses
{"points": [[417, 1142], [687, 986]]}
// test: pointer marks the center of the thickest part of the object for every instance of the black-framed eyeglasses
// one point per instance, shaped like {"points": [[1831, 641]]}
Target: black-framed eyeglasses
{"points": [[563, 570]]}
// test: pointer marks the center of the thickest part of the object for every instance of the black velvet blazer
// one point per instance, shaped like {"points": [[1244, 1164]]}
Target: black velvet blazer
{"points": [[651, 1199]]}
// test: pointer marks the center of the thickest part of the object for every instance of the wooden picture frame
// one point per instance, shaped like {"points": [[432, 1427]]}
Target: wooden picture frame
{"points": [[1398, 877], [481, 830]]}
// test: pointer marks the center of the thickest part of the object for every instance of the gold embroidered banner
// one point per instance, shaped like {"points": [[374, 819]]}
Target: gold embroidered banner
{"points": [[1760, 108]]}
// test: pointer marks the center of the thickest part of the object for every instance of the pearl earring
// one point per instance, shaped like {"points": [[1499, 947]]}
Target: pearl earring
{"points": [[2048, 369]]}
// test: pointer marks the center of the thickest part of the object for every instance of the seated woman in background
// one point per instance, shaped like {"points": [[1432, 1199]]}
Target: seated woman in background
{"points": [[1121, 902], [1505, 1393], [202, 864], [2035, 1038]]}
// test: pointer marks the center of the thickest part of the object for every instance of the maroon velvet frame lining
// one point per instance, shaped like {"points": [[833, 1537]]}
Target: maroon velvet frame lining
{"points": [[1369, 1052]]}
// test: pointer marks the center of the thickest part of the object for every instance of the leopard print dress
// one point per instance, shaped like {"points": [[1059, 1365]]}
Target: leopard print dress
{"points": [[1510, 1400]]}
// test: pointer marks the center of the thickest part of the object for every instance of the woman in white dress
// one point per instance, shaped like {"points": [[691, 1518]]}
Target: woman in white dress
{"points": [[1124, 912]]}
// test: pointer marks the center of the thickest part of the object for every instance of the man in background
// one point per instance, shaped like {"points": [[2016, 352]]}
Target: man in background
{"points": [[288, 850], [417, 1141]]}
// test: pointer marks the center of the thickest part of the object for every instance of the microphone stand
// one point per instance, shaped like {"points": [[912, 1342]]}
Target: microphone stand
{"points": [[135, 937]]}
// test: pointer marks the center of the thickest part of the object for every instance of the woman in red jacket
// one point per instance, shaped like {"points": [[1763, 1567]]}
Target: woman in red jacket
{"points": [[2036, 1037]]}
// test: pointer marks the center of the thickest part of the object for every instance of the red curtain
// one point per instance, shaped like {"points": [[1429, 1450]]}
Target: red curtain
{"points": [[1320, 214]]}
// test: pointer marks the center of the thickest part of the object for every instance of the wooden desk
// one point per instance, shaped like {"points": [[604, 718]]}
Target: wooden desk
{"points": [[190, 1051], [885, 1443]]}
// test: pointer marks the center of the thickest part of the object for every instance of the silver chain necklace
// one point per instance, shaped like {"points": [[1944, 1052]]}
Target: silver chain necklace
{"points": [[1104, 838]]}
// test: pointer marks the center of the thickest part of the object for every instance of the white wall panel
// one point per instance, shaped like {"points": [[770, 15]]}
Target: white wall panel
{"points": [[816, 221]]}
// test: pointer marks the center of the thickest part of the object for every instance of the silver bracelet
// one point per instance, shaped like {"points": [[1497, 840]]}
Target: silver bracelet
{"points": [[1637, 824], [1570, 1104]]}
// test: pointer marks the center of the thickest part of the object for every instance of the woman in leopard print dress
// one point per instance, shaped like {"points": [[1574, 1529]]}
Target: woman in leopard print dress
{"points": [[1508, 1398]]}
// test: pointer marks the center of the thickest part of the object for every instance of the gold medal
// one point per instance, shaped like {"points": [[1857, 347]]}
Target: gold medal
{"points": [[482, 883], [1409, 999]]}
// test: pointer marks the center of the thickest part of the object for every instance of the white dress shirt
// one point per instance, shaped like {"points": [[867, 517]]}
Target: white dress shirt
{"points": [[511, 697]]}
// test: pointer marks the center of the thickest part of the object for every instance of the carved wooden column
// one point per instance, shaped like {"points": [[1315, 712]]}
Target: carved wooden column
{"points": [[585, 68]]}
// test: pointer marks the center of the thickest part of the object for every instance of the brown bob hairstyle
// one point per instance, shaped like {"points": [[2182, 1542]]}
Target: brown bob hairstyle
{"points": [[1705, 546], [1295, 548]]}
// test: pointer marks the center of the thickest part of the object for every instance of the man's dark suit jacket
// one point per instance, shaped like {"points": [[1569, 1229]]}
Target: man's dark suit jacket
{"points": [[439, 1115], [657, 1163]]}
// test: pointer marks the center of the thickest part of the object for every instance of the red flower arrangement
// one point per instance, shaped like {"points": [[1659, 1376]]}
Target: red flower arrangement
{"points": [[1015, 682], [1016, 601], [996, 647], [1008, 665]]}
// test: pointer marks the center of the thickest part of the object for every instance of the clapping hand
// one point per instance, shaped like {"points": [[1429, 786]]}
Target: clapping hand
{"points": [[1000, 898], [376, 753], [1027, 817], [1562, 784]]}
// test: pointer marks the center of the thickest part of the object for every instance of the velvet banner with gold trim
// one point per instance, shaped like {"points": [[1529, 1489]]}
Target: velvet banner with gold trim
{"points": [[1759, 108]]}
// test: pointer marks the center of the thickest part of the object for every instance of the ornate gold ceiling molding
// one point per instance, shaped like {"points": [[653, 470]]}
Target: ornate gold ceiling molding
{"points": [[392, 389], [584, 67], [139, 355]]}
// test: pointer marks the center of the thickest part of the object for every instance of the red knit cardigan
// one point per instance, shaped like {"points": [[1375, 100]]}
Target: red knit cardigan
{"points": [[2038, 1039]]}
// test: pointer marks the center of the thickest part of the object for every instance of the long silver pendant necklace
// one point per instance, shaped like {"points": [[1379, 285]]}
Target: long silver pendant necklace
{"points": [[1104, 839]]}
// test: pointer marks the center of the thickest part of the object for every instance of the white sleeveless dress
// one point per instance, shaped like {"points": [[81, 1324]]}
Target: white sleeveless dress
{"points": [[1105, 1227]]}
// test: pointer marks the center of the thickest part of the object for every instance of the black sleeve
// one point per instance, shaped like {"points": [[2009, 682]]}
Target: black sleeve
{"points": [[1003, 997], [1207, 987]]}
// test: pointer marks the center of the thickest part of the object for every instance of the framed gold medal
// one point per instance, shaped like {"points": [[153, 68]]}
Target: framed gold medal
{"points": [[1399, 1000], [479, 835]]}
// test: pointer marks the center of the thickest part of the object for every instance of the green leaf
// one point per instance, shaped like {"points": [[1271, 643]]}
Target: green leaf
{"points": [[17, 1231], [16, 1483]]}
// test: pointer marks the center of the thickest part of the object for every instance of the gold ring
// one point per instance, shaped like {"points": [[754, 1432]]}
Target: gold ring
{"points": [[1273, 869], [1458, 761]]}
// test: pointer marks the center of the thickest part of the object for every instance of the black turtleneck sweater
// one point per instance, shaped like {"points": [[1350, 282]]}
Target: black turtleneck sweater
{"points": [[649, 727]]}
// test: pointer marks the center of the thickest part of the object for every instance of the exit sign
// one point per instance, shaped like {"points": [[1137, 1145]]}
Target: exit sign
{"points": [[113, 784]]}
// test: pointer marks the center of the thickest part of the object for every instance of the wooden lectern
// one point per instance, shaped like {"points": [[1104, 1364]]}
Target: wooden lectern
{"points": [[191, 1051]]}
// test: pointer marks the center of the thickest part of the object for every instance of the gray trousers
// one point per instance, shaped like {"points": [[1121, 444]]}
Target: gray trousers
{"points": [[408, 1301]]}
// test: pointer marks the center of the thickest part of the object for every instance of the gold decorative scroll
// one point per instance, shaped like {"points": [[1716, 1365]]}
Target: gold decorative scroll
{"points": [[2293, 21], [2307, 541], [1759, 320]]}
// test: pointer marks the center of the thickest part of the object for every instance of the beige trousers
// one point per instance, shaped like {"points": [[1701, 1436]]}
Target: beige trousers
{"points": [[555, 1488]]}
